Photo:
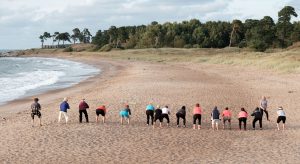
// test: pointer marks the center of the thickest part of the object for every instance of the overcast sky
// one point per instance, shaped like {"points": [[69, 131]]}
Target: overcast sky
{"points": [[22, 21]]}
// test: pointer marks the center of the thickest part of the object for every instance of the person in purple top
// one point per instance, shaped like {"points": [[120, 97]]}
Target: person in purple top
{"points": [[64, 106]]}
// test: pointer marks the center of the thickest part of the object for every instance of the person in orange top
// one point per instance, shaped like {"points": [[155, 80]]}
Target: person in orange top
{"points": [[243, 118], [197, 116], [226, 117], [101, 110]]}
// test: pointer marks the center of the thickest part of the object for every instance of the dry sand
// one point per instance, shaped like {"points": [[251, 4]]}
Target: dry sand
{"points": [[173, 84]]}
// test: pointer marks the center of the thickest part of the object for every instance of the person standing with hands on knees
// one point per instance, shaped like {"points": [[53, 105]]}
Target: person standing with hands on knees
{"points": [[226, 117], [101, 110], [125, 114], [197, 116], [243, 115], [64, 106], [257, 117], [281, 117], [82, 110], [215, 118], [181, 114], [35, 110], [150, 113], [165, 114], [263, 107]]}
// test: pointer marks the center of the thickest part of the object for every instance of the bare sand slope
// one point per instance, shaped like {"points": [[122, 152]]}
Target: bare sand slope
{"points": [[175, 85]]}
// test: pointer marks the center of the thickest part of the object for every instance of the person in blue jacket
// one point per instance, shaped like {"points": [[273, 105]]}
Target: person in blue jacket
{"points": [[64, 106]]}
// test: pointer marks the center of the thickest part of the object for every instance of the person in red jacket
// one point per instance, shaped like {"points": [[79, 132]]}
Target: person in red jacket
{"points": [[101, 110], [82, 110]]}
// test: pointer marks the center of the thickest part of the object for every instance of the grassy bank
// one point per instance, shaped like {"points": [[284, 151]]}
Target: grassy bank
{"points": [[287, 61]]}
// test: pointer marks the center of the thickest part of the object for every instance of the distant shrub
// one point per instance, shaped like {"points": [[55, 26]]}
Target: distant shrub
{"points": [[196, 46], [243, 44], [187, 46], [106, 48], [68, 49]]}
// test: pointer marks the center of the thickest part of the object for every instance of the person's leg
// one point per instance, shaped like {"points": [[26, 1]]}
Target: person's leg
{"points": [[229, 123], [283, 125], [224, 122], [260, 123], [86, 115], [199, 122], [152, 117], [245, 123], [213, 124], [148, 117], [267, 114], [168, 120], [121, 120], [66, 117], [184, 121], [80, 116], [217, 125], [32, 121], [177, 116], [194, 121], [59, 116], [40, 118], [253, 123], [240, 123], [128, 120], [103, 119]]}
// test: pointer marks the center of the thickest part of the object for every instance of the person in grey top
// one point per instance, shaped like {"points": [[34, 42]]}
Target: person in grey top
{"points": [[263, 107], [181, 114], [35, 110]]}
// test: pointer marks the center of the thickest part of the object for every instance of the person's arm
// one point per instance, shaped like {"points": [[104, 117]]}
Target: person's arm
{"points": [[129, 111], [40, 107], [68, 106], [87, 106]]}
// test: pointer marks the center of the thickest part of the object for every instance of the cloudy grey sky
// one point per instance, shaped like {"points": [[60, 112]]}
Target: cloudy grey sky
{"points": [[22, 21]]}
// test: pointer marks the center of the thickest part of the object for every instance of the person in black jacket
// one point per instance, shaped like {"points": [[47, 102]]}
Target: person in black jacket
{"points": [[157, 115], [181, 114], [257, 117]]}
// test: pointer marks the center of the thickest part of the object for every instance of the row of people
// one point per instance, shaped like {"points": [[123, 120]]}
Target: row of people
{"points": [[153, 114]]}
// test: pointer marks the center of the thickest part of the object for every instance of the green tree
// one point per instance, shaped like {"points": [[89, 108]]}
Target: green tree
{"points": [[284, 26], [76, 35]]}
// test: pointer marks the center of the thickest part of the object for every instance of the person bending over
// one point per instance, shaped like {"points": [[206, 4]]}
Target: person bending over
{"points": [[257, 114], [125, 114], [165, 114], [197, 112], [82, 110], [101, 110], [181, 114], [281, 117], [243, 115], [150, 113], [215, 118], [226, 117]]}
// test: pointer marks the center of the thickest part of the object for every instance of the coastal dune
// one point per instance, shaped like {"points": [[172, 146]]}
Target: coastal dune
{"points": [[163, 83]]}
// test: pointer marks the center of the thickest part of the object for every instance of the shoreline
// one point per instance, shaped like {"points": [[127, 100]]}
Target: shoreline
{"points": [[17, 103]]}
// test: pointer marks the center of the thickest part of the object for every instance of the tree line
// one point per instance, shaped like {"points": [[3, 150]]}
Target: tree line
{"points": [[258, 34], [83, 36]]}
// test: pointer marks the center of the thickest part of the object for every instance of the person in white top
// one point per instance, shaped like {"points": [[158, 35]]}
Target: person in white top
{"points": [[281, 117], [165, 114]]}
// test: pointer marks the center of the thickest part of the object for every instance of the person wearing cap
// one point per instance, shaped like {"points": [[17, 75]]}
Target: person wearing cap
{"points": [[64, 106], [281, 117], [125, 114], [35, 110], [82, 110]]}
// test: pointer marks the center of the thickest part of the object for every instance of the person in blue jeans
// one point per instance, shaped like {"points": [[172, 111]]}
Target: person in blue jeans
{"points": [[150, 113], [64, 106]]}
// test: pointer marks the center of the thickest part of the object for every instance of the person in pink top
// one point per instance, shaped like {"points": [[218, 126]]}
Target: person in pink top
{"points": [[243, 115], [226, 117], [197, 116]]}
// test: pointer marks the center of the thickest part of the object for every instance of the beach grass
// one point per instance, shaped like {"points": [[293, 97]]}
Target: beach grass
{"points": [[281, 61]]}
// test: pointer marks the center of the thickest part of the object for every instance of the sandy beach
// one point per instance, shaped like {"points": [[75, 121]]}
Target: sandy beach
{"points": [[163, 83]]}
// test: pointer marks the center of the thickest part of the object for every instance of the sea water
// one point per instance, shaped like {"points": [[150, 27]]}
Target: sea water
{"points": [[21, 77]]}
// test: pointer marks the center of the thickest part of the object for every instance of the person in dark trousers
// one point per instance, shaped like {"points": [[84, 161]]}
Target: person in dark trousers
{"points": [[181, 114], [82, 110], [157, 115], [243, 115], [264, 106], [165, 114], [35, 110], [150, 113], [257, 117]]}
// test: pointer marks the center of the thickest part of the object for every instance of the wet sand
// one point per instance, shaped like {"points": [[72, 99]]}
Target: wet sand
{"points": [[173, 84]]}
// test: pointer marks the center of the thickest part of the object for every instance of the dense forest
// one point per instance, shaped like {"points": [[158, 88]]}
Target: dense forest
{"points": [[257, 34]]}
